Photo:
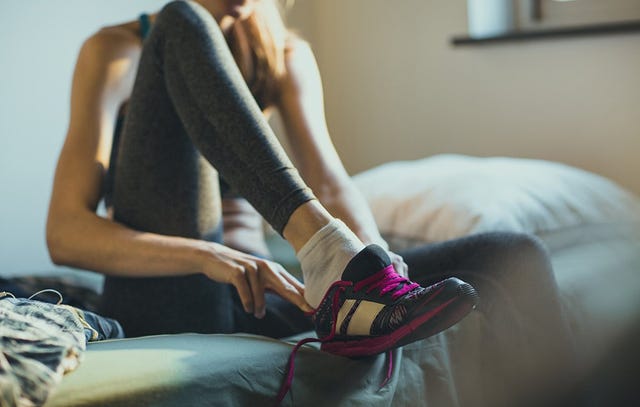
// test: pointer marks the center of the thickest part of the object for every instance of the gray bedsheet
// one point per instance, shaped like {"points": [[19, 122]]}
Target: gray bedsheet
{"points": [[598, 272], [199, 370]]}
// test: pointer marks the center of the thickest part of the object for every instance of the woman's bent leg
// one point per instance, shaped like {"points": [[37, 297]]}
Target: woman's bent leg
{"points": [[188, 78], [187, 72], [190, 108], [527, 341]]}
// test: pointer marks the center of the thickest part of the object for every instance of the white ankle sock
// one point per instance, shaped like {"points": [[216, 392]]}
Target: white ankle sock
{"points": [[324, 257]]}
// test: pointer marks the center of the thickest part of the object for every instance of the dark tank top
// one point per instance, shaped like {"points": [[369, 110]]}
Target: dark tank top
{"points": [[164, 305]]}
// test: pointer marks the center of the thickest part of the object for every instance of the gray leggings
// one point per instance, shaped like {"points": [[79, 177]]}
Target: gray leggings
{"points": [[190, 112]]}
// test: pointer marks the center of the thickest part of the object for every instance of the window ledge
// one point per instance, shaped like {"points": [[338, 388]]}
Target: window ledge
{"points": [[578, 31]]}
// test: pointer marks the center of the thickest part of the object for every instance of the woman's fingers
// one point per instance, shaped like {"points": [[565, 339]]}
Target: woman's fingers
{"points": [[251, 275], [254, 276], [293, 281], [399, 265], [289, 291], [402, 268], [238, 279]]}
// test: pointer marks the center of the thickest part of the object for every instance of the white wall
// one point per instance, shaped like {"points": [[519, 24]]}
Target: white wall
{"points": [[395, 89], [39, 40]]}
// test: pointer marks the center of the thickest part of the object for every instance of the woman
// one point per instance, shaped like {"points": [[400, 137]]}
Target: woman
{"points": [[188, 106]]}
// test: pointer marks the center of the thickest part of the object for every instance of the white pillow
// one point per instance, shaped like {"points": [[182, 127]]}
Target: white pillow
{"points": [[449, 196]]}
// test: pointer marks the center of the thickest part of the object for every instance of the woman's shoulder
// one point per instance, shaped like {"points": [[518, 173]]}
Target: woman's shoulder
{"points": [[114, 40], [108, 59], [296, 45], [299, 62], [298, 55]]}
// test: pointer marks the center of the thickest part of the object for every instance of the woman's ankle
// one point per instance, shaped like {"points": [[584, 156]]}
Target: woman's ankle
{"points": [[304, 222]]}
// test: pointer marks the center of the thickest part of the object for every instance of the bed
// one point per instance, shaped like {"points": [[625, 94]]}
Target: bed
{"points": [[590, 226]]}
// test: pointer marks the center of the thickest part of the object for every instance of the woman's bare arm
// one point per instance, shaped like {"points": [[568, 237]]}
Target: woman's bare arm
{"points": [[301, 105], [78, 237]]}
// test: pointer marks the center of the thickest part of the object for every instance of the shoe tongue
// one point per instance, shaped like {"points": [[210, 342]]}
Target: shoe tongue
{"points": [[368, 261]]}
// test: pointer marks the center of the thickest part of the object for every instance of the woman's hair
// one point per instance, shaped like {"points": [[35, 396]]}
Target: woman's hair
{"points": [[258, 44]]}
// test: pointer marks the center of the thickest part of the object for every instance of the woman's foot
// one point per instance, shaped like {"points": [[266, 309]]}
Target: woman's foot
{"points": [[373, 309]]}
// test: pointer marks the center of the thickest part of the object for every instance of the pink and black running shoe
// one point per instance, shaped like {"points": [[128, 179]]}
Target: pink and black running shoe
{"points": [[365, 314], [373, 309]]}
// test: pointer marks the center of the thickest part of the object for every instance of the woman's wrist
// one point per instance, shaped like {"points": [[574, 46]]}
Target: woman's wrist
{"points": [[201, 255]]}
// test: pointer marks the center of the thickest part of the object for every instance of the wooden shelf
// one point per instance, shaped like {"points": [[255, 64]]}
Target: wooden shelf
{"points": [[579, 31]]}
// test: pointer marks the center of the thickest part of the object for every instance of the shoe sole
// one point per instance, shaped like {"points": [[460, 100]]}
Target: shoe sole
{"points": [[423, 326]]}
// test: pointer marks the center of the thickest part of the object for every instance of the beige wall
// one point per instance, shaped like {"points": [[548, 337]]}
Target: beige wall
{"points": [[395, 89]]}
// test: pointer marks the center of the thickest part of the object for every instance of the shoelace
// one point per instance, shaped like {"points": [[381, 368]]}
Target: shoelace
{"points": [[387, 280], [46, 290], [286, 385]]}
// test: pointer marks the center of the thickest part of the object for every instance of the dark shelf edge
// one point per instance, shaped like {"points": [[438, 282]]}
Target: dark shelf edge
{"points": [[609, 28]]}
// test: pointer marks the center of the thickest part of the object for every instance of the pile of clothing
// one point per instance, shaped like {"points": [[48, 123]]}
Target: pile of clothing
{"points": [[42, 341]]}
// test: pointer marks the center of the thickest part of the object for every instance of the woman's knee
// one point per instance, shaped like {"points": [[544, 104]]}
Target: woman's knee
{"points": [[188, 29], [179, 9], [524, 258], [525, 245], [182, 14], [506, 247]]}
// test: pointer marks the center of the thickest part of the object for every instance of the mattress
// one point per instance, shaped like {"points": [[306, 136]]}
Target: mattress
{"points": [[598, 270]]}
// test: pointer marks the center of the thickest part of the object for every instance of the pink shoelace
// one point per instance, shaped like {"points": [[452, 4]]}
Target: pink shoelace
{"points": [[387, 280]]}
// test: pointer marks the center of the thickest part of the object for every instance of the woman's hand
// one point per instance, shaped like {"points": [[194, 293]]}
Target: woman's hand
{"points": [[399, 264], [251, 276]]}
